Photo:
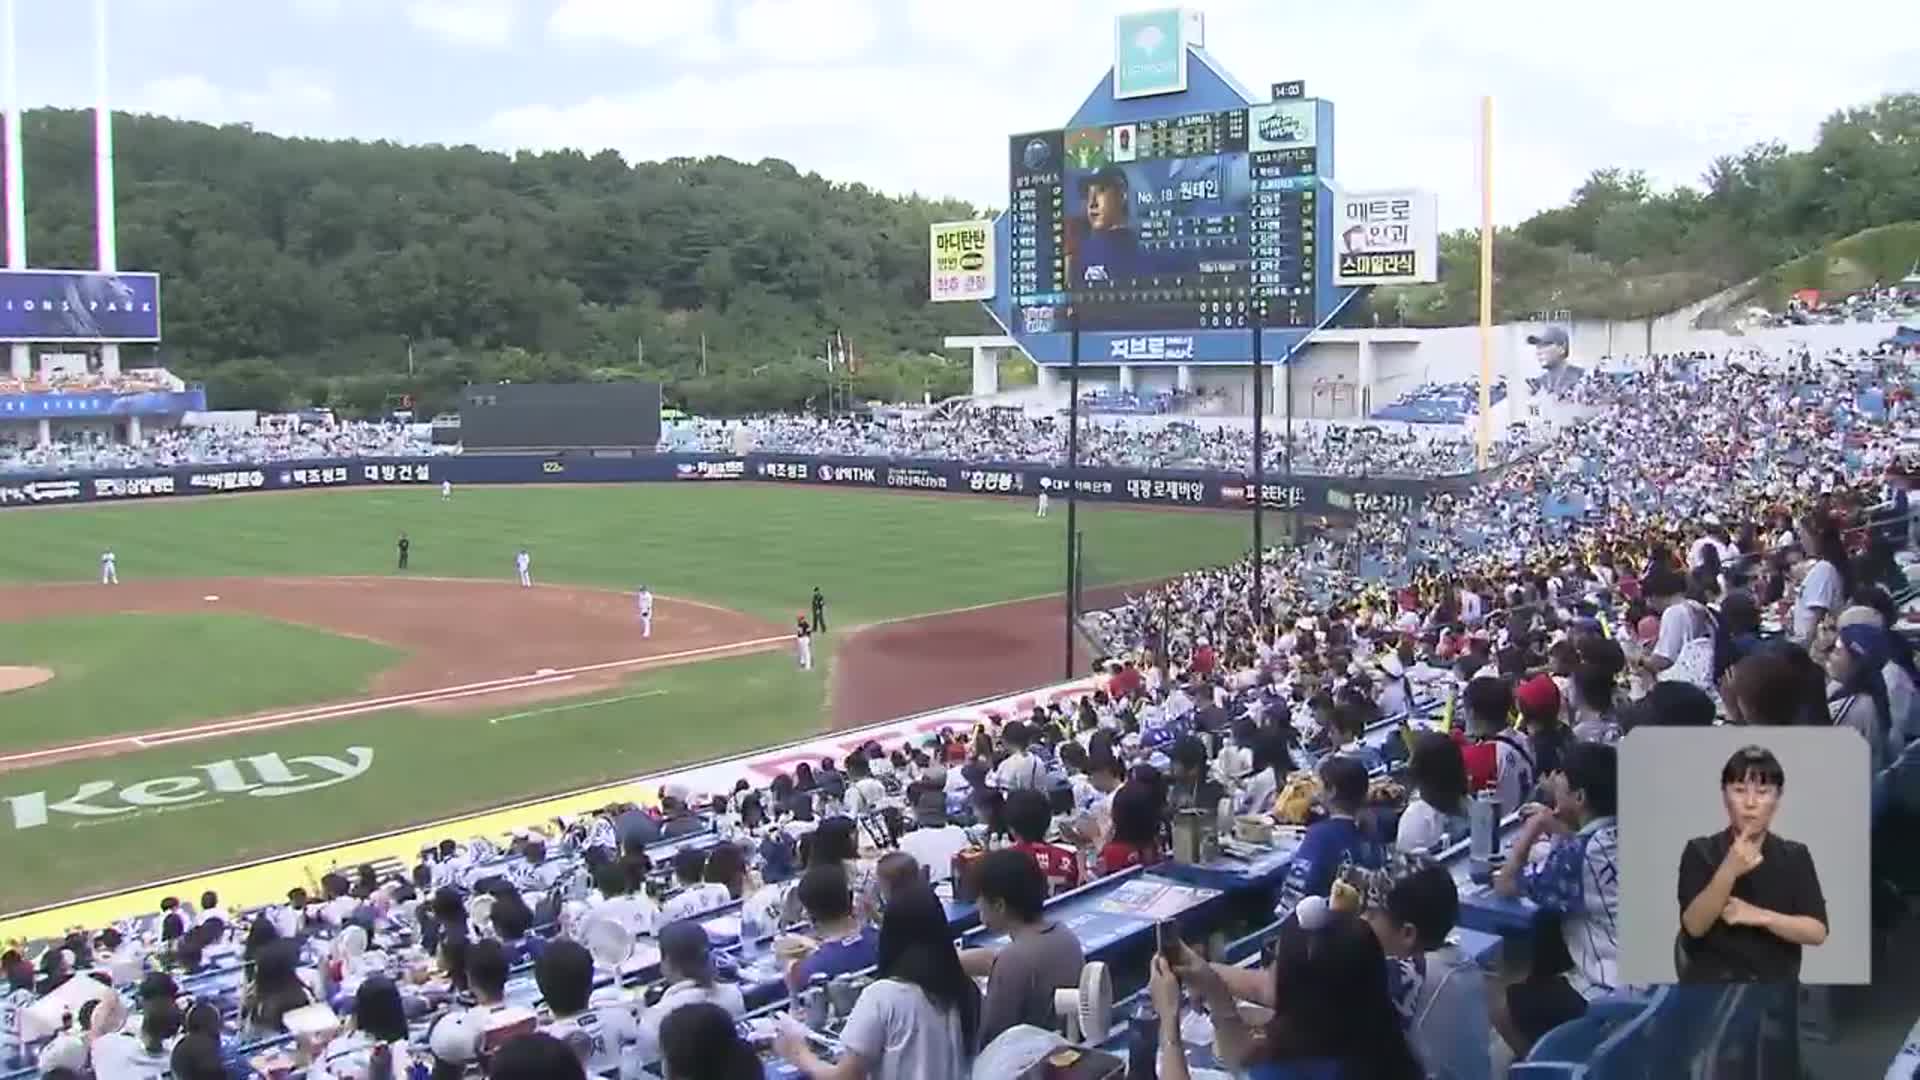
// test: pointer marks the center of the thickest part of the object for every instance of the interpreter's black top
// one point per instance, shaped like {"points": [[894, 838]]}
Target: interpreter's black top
{"points": [[1785, 882]]}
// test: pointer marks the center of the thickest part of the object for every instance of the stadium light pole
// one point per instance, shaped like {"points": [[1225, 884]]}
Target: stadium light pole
{"points": [[1483, 442], [104, 226], [20, 357], [1259, 462], [1073, 478]]}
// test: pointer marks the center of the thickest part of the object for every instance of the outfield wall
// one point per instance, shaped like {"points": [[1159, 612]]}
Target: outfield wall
{"points": [[1332, 495]]}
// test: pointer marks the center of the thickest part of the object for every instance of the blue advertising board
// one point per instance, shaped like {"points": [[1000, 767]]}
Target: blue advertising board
{"points": [[1308, 494], [101, 403], [79, 305]]}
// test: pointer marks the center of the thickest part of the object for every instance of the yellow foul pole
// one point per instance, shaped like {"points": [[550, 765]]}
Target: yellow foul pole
{"points": [[1486, 280]]}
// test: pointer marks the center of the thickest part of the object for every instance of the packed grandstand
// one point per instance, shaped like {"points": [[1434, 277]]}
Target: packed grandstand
{"points": [[1764, 502]]}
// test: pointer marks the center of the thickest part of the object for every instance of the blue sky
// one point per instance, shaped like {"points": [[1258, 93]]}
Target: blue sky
{"points": [[920, 95]]}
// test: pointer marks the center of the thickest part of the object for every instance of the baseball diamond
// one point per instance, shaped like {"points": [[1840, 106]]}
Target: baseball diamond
{"points": [[277, 633]]}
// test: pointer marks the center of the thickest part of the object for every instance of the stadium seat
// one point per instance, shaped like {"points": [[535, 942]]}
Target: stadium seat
{"points": [[1564, 1051]]}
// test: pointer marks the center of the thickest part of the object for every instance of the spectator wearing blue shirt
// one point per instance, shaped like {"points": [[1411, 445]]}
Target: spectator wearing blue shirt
{"points": [[513, 921], [1578, 880], [845, 945], [1337, 839], [1438, 990]]}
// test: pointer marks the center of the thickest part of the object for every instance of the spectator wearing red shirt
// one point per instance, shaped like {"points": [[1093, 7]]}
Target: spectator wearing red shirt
{"points": [[1125, 682], [1135, 838], [1478, 755], [1204, 660], [1029, 817]]}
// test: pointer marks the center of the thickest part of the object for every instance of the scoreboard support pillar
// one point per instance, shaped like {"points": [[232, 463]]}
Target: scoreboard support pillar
{"points": [[1073, 491], [1126, 377], [1256, 585], [1048, 379], [986, 371], [1365, 402], [1185, 376]]}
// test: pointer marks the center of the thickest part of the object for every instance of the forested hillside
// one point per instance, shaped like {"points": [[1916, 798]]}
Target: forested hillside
{"points": [[1620, 249], [304, 270], [299, 269]]}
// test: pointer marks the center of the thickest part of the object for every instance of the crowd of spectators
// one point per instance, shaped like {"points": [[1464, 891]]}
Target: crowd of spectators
{"points": [[1729, 561], [81, 451], [126, 382], [1013, 437], [1884, 303]]}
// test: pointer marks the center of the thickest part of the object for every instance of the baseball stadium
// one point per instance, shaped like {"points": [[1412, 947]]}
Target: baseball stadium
{"points": [[478, 638], [278, 624]]}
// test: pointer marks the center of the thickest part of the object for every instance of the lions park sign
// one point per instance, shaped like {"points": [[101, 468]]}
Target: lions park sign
{"points": [[260, 776]]}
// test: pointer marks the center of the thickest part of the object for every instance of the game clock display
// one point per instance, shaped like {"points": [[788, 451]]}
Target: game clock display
{"points": [[1191, 222]]}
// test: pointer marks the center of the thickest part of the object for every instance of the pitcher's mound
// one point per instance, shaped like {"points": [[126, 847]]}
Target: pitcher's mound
{"points": [[23, 678]]}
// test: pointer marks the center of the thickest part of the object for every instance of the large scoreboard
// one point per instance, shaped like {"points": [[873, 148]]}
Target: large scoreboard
{"points": [[1204, 221]]}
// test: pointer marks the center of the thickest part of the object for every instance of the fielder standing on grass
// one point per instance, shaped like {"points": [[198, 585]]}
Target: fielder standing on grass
{"points": [[1042, 511], [523, 563], [110, 573], [446, 490], [819, 610], [405, 546], [646, 612], [803, 642]]}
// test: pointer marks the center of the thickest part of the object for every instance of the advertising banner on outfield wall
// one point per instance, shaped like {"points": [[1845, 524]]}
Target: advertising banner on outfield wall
{"points": [[1353, 496]]}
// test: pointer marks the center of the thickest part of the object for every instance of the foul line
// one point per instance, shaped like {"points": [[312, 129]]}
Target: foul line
{"points": [[549, 710], [1059, 690], [270, 721]]}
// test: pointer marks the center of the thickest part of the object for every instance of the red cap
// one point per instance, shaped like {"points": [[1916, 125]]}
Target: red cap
{"points": [[1537, 695]]}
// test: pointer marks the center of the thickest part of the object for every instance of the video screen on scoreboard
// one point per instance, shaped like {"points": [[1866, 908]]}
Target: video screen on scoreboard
{"points": [[1157, 224], [1163, 224]]}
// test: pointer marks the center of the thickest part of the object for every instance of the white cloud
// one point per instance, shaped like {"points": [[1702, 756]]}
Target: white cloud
{"points": [[922, 94], [290, 99], [478, 23], [807, 31], [895, 128], [640, 24]]}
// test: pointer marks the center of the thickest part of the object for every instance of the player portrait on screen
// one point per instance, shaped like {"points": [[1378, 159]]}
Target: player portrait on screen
{"points": [[1109, 248], [1551, 347], [1750, 900]]}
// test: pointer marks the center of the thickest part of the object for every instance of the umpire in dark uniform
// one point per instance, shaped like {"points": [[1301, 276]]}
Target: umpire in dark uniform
{"points": [[404, 546], [819, 610]]}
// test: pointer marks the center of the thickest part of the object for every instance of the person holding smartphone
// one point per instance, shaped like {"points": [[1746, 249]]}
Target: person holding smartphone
{"points": [[1750, 900]]}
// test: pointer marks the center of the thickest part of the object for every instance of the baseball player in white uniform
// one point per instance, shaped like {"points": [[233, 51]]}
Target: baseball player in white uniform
{"points": [[523, 562], [1042, 511], [803, 642], [109, 572], [446, 490], [646, 612]]}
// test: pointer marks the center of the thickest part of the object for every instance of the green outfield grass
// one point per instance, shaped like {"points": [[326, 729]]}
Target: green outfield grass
{"points": [[424, 767], [140, 672], [757, 549]]}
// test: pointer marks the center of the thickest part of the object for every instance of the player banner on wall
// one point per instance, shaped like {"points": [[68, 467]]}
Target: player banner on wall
{"points": [[962, 261], [78, 305], [1385, 237]]}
